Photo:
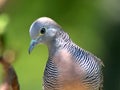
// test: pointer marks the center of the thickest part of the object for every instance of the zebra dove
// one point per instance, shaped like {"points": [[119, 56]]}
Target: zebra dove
{"points": [[69, 67]]}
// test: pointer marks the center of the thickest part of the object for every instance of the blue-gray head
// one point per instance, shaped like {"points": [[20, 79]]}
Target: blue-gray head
{"points": [[43, 30]]}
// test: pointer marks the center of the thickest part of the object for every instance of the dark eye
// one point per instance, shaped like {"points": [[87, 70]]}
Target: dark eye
{"points": [[42, 31]]}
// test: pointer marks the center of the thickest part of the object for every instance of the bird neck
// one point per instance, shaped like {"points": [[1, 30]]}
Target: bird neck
{"points": [[60, 41]]}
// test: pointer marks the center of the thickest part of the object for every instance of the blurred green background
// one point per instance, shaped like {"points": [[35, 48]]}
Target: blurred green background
{"points": [[92, 24]]}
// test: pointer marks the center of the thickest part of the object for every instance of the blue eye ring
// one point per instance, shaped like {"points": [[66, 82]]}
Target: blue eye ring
{"points": [[43, 30]]}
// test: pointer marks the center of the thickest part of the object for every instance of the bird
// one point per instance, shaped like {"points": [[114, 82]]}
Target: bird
{"points": [[69, 67]]}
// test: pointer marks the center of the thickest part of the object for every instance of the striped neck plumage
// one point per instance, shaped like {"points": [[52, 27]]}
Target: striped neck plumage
{"points": [[60, 41]]}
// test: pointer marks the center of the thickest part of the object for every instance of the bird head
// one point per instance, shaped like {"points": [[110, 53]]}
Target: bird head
{"points": [[43, 30]]}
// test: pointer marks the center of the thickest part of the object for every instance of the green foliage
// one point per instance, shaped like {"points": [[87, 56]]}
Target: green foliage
{"points": [[1, 71], [4, 19]]}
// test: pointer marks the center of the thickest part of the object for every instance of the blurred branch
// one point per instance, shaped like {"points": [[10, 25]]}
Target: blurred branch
{"points": [[10, 77], [10, 80]]}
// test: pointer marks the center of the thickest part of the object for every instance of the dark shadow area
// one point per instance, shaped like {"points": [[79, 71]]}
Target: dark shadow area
{"points": [[112, 62]]}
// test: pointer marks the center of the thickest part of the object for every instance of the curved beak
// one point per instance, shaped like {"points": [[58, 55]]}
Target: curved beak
{"points": [[32, 45]]}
